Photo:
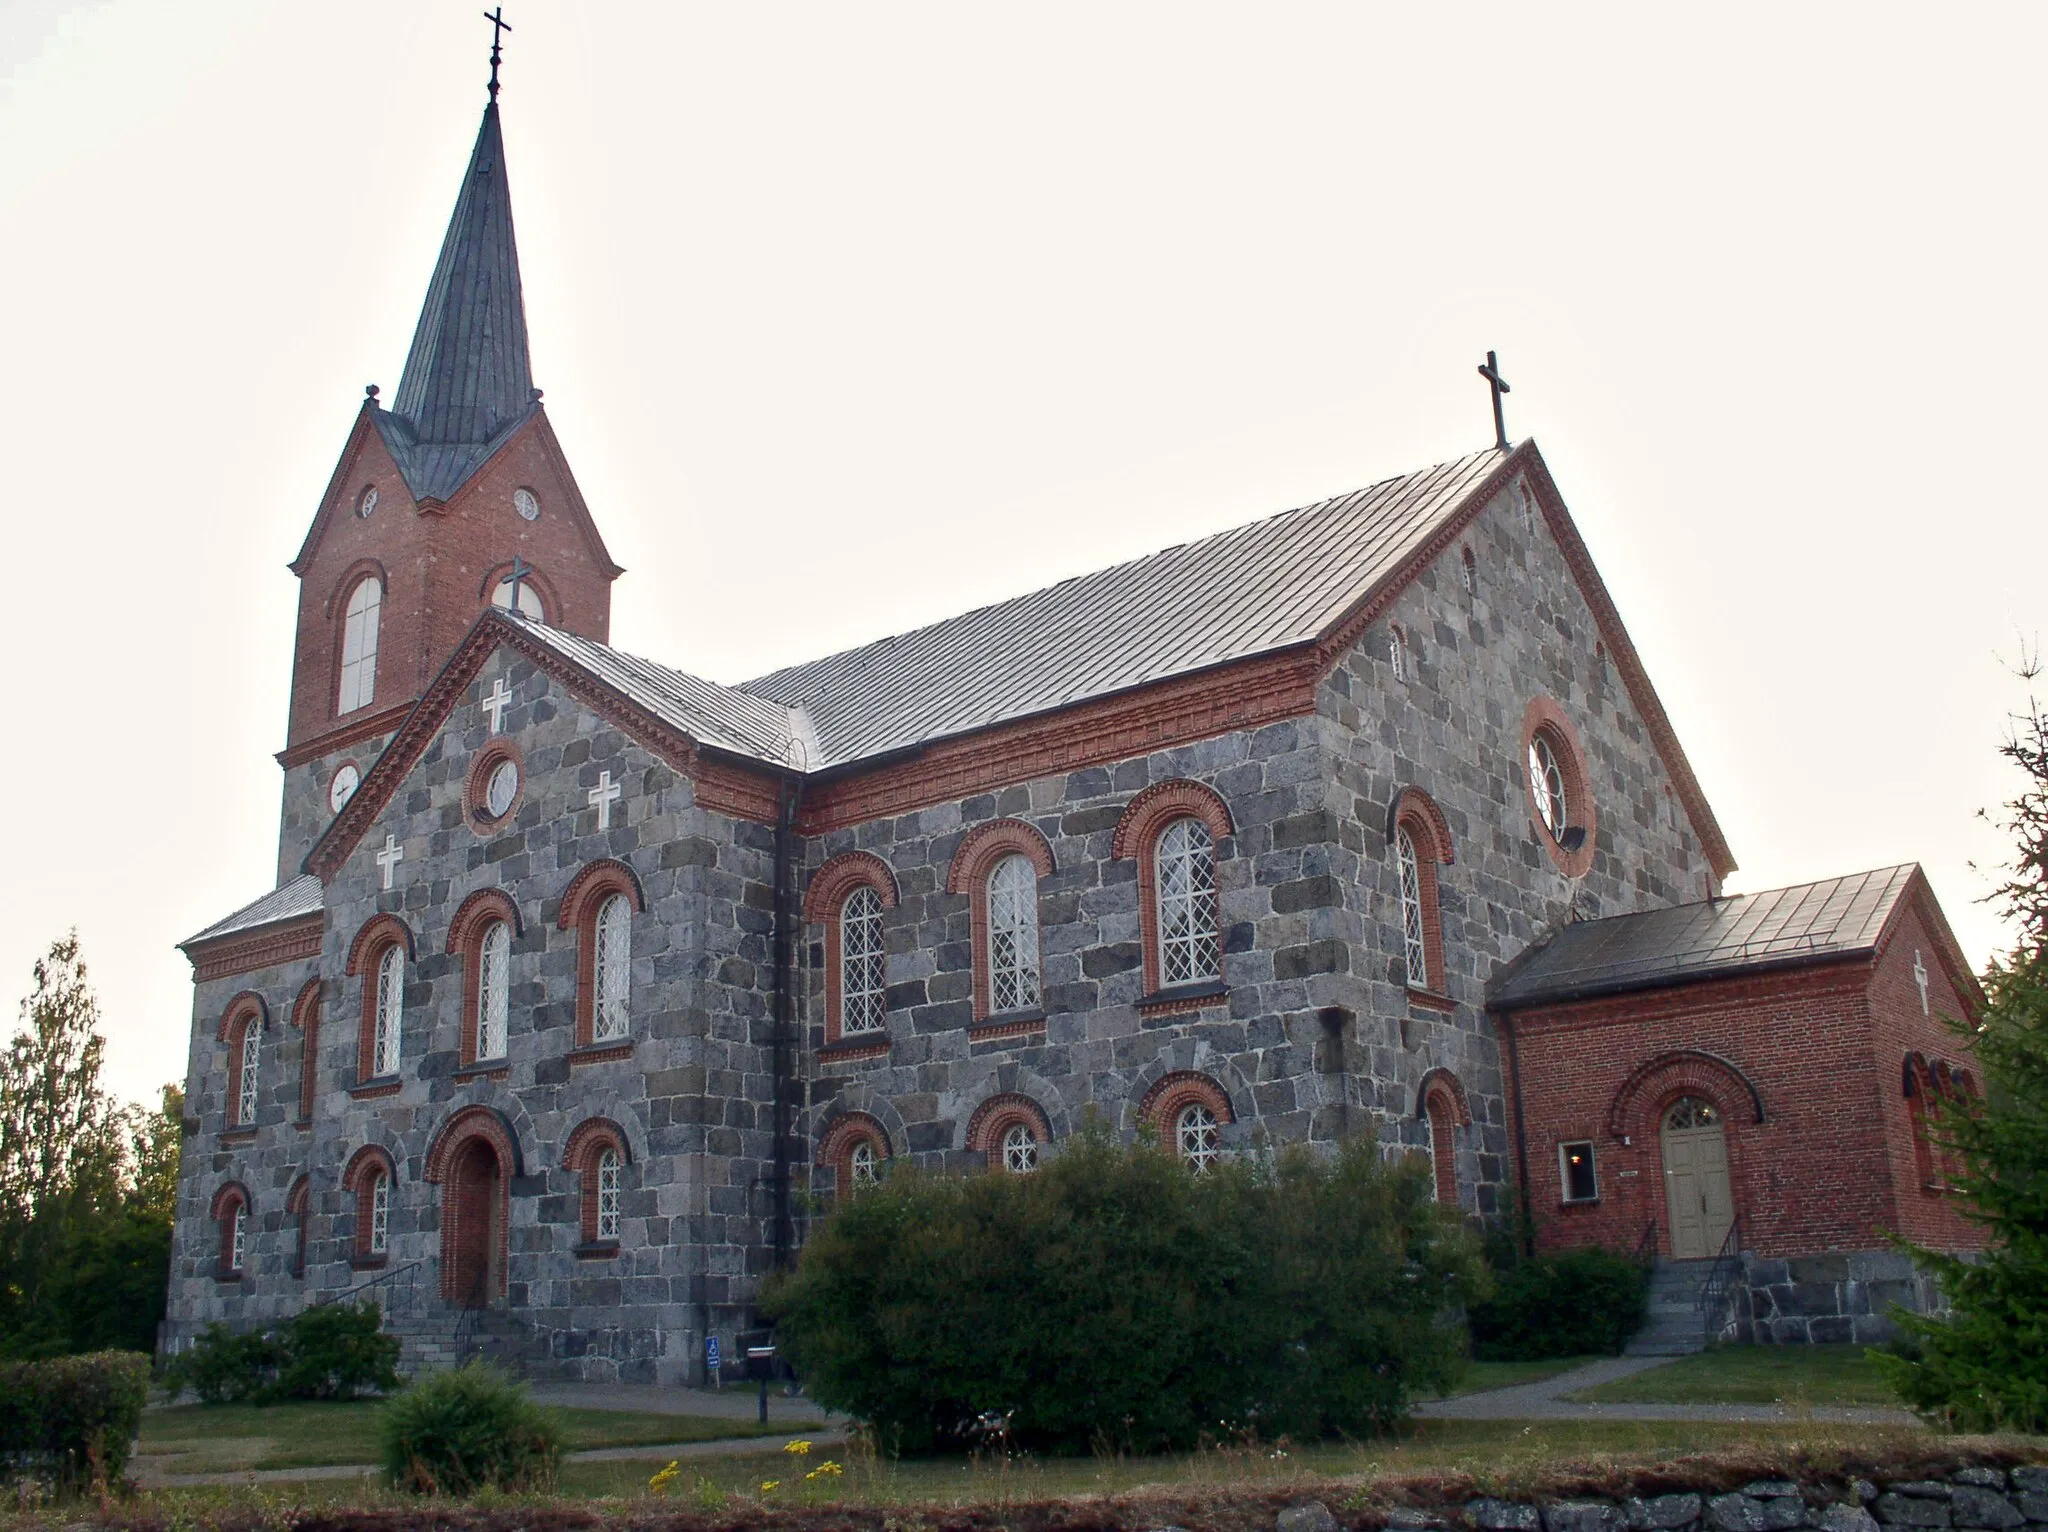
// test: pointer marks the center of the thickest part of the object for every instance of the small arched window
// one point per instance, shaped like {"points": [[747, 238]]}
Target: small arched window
{"points": [[1443, 1149], [493, 990], [1013, 935], [1416, 947], [529, 599], [252, 1051], [1196, 1137], [1189, 949], [863, 1165], [359, 646], [607, 1193], [612, 1017], [863, 965], [390, 1002], [1397, 653], [295, 1207], [1547, 783], [1020, 1150], [377, 1237], [1468, 571]]}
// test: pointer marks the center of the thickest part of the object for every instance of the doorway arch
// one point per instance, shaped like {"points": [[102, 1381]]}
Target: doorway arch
{"points": [[474, 1158], [1697, 1198]]}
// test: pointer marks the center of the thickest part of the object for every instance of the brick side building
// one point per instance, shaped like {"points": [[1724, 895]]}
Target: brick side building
{"points": [[583, 972]]}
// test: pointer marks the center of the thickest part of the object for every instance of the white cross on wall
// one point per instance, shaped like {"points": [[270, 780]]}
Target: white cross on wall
{"points": [[389, 858], [602, 797], [1920, 978], [496, 700]]}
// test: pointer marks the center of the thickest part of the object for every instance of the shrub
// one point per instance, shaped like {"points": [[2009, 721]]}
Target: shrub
{"points": [[331, 1351], [1112, 1299], [1568, 1304], [454, 1433], [73, 1417]]}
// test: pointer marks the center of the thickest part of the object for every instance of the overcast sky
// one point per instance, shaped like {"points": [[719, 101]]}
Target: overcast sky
{"points": [[852, 317]]}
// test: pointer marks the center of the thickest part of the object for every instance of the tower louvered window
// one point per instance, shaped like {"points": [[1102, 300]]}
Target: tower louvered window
{"points": [[359, 647], [390, 1005], [1189, 951], [863, 966], [1013, 935], [493, 1003], [1411, 908], [613, 1016]]}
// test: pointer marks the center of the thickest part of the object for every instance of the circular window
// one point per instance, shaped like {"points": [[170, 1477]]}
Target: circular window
{"points": [[1562, 813], [502, 788], [1546, 783], [527, 504], [366, 502]]}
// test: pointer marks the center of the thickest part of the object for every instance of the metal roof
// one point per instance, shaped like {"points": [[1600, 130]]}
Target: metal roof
{"points": [[1270, 585], [436, 470], [1835, 918], [709, 713], [289, 901], [468, 375]]}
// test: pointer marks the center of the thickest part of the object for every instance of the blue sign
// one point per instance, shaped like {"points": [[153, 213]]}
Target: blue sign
{"points": [[711, 1352]]}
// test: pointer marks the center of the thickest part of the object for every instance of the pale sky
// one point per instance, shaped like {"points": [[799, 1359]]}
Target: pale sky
{"points": [[853, 317]]}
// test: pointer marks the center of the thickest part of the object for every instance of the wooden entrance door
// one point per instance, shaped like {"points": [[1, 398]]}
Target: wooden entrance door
{"points": [[477, 1198], [1696, 1179]]}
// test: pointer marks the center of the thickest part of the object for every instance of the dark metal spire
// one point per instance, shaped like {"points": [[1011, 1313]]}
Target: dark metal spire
{"points": [[468, 375], [498, 24]]}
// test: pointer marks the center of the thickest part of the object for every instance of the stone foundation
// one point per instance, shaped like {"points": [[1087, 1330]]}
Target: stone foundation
{"points": [[1821, 1299]]}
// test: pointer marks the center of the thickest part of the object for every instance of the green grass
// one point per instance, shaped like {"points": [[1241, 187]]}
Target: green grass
{"points": [[1481, 1376], [198, 1438], [1795, 1375]]}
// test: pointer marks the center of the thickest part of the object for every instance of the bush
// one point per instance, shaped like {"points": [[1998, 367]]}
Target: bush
{"points": [[1569, 1304], [1113, 1300], [73, 1417], [454, 1433], [332, 1351]]}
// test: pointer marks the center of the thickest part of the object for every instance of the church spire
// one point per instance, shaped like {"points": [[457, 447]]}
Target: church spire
{"points": [[468, 376]]}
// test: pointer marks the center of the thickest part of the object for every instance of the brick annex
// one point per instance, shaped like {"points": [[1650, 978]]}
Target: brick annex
{"points": [[586, 981]]}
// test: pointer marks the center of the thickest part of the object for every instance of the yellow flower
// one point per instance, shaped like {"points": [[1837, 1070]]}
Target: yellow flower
{"points": [[768, 1485], [825, 1470], [797, 1447], [661, 1481]]}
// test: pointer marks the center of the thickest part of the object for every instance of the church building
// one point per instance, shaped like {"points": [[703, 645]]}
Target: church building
{"points": [[586, 981]]}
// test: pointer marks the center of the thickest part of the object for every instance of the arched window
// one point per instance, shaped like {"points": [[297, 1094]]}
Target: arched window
{"points": [[1196, 1137], [529, 599], [1190, 951], [1443, 1149], [231, 1215], [390, 1003], [608, 1193], [1468, 571], [359, 646], [597, 1153], [295, 1207], [241, 1029], [370, 1180], [1417, 949], [863, 965], [1422, 848], [252, 1051], [614, 970], [493, 989], [1546, 783], [863, 1164], [855, 1148], [1013, 935], [1561, 805], [1397, 653], [1020, 1150], [377, 1239]]}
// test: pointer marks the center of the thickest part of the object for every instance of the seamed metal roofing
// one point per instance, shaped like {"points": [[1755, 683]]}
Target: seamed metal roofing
{"points": [[1253, 589], [288, 901], [1835, 918]]}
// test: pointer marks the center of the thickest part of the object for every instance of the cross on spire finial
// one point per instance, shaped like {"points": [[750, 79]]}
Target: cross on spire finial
{"points": [[498, 24], [1491, 372]]}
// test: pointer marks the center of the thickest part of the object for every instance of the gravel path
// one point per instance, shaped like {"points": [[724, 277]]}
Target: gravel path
{"points": [[1542, 1401]]}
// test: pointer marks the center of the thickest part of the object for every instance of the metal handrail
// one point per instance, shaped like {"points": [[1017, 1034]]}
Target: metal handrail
{"points": [[1715, 1289], [389, 1279], [1646, 1247]]}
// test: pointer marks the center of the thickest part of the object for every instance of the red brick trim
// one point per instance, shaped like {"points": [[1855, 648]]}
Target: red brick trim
{"points": [[996, 1116], [594, 883], [296, 1201], [475, 808], [230, 1196], [344, 585], [306, 1019], [270, 946], [841, 1136], [359, 1180], [368, 724], [1438, 1110], [543, 587], [1172, 1093], [474, 1122], [1681, 1072], [1417, 813], [459, 1208], [1024, 1024], [1426, 823], [824, 898], [1137, 834], [975, 858], [231, 1013], [243, 1011], [473, 917], [375, 934], [590, 1138], [375, 1091], [1543, 716], [1441, 1082], [733, 789], [854, 1050]]}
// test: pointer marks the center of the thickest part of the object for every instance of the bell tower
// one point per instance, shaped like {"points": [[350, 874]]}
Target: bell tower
{"points": [[434, 503]]}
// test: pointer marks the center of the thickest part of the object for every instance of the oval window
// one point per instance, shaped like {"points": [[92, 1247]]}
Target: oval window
{"points": [[502, 789]]}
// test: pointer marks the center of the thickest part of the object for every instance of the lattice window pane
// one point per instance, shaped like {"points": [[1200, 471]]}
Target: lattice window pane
{"points": [[1189, 950], [493, 990], [1197, 1137], [1020, 1150], [359, 647], [390, 1009], [1546, 777], [1013, 935], [252, 1047], [380, 1214], [1411, 908], [608, 1195], [863, 966], [612, 1015], [238, 1237], [863, 1164]]}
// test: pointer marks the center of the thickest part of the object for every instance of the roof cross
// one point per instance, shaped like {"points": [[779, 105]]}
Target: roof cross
{"points": [[1920, 978], [519, 571], [498, 24], [1491, 372]]}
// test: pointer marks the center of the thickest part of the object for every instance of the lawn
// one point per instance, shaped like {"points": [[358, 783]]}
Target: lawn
{"points": [[1792, 1375], [199, 1438], [1482, 1376]]}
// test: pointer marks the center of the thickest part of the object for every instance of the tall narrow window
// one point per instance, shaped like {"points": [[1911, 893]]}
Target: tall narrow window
{"points": [[1189, 951], [238, 1236], [1397, 653], [252, 1050], [1197, 1137], [377, 1240], [359, 646], [1013, 935], [1546, 781], [614, 969], [494, 971], [607, 1194], [1411, 909], [863, 966], [390, 1008]]}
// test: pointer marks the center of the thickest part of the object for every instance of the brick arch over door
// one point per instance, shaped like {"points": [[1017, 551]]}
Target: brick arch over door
{"points": [[1681, 1071], [474, 1158]]}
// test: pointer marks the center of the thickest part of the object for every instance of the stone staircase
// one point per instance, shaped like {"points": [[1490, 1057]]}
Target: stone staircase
{"points": [[1675, 1325]]}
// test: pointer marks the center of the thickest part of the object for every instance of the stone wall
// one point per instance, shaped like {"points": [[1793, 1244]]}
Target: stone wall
{"points": [[1825, 1299]]}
